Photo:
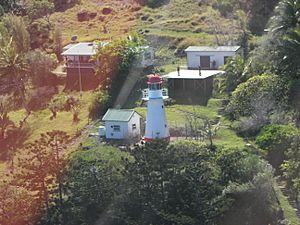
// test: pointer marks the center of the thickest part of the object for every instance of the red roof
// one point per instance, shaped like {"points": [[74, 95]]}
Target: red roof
{"points": [[154, 78]]}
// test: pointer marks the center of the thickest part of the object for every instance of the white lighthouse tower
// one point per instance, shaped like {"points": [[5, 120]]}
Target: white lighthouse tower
{"points": [[156, 121]]}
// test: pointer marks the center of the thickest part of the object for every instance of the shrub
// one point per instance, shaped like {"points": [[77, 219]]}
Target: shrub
{"points": [[234, 69], [155, 3], [258, 96], [276, 139], [99, 104], [40, 66]]}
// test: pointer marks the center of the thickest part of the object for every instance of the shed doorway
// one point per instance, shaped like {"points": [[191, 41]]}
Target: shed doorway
{"points": [[205, 62]]}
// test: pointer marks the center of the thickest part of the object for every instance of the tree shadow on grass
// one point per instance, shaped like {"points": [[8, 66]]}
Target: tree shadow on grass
{"points": [[15, 139]]}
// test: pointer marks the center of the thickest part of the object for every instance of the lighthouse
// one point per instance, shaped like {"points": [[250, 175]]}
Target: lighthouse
{"points": [[156, 120]]}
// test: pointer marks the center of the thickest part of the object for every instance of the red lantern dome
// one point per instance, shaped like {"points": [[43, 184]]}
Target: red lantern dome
{"points": [[154, 78]]}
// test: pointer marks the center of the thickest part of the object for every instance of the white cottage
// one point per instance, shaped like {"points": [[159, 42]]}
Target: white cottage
{"points": [[210, 57], [122, 124]]}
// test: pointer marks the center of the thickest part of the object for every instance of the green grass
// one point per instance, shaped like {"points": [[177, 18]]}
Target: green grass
{"points": [[39, 122], [288, 211], [118, 23], [177, 116], [187, 19], [104, 152], [204, 38]]}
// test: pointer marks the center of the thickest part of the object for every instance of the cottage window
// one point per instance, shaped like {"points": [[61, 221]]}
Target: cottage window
{"points": [[133, 126], [116, 128]]}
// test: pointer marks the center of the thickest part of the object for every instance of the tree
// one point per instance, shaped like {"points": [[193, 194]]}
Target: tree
{"points": [[176, 184], [245, 34], [57, 41], [234, 73], [13, 71], [94, 180], [278, 48], [11, 6], [40, 9], [41, 170], [99, 104], [16, 206], [40, 65], [258, 96], [16, 29], [291, 53], [5, 122], [275, 140]]}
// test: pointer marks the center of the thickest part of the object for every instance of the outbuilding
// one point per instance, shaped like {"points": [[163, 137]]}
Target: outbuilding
{"points": [[210, 57], [122, 124], [191, 86]]}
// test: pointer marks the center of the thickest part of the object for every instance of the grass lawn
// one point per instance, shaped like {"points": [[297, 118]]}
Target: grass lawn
{"points": [[187, 19], [117, 23], [39, 122], [177, 114], [288, 211]]}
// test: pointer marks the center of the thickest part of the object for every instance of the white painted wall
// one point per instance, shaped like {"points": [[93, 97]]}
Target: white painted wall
{"points": [[134, 133], [126, 130], [193, 58], [111, 134], [156, 121]]}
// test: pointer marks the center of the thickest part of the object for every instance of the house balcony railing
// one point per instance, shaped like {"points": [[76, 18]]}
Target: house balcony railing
{"points": [[80, 65]]}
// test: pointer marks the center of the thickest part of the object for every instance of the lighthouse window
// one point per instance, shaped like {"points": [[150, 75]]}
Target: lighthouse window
{"points": [[116, 128], [133, 126], [155, 86], [162, 106]]}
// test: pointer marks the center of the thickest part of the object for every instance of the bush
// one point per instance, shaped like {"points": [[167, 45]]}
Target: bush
{"points": [[234, 69], [258, 97], [40, 66], [155, 3], [275, 140], [99, 104]]}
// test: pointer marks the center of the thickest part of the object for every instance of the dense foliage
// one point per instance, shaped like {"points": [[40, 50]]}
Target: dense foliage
{"points": [[99, 104], [258, 96], [275, 140], [234, 73], [187, 183]]}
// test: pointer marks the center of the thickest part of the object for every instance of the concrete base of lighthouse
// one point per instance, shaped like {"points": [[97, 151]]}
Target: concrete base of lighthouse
{"points": [[167, 139]]}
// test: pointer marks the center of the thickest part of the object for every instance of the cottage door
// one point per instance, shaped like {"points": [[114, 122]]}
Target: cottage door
{"points": [[205, 62]]}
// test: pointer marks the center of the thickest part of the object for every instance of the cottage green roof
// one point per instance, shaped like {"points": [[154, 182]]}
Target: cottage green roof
{"points": [[123, 115]]}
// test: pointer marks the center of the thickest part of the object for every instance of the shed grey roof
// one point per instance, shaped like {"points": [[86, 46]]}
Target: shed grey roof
{"points": [[122, 115], [65, 48], [212, 49], [83, 48], [193, 74]]}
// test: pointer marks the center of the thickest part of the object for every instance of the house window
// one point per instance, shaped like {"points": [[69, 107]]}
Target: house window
{"points": [[133, 126], [116, 128]]}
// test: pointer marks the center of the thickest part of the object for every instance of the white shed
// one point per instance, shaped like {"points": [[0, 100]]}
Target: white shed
{"points": [[210, 57], [122, 124]]}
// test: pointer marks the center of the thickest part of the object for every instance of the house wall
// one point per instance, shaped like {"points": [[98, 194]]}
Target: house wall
{"points": [[111, 134], [193, 58], [191, 91], [134, 133], [88, 79]]}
